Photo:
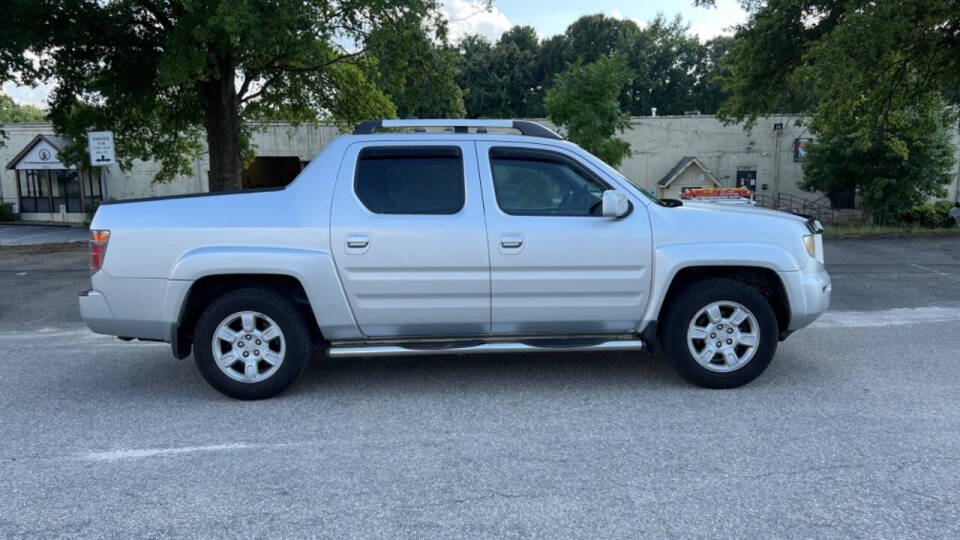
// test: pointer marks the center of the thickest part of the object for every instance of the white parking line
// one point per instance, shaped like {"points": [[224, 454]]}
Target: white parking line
{"points": [[138, 453], [888, 317]]}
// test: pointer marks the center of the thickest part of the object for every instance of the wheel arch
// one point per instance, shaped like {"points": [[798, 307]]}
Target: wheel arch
{"points": [[308, 276], [766, 280], [208, 288]]}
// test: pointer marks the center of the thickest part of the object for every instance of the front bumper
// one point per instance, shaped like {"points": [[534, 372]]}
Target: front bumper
{"points": [[809, 294]]}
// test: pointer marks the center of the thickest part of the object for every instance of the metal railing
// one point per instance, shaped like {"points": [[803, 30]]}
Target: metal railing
{"points": [[787, 202]]}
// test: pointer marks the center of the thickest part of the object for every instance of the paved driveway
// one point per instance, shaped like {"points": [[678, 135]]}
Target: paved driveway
{"points": [[854, 431], [20, 235]]}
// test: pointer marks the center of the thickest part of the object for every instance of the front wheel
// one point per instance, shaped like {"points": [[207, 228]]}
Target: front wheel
{"points": [[251, 343], [720, 333]]}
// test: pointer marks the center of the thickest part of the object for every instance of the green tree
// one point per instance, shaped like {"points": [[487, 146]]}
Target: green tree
{"points": [[710, 94], [12, 112], [879, 66], [890, 184], [871, 78], [667, 62], [594, 36], [553, 59], [481, 95], [584, 102], [416, 70], [165, 75], [503, 80], [515, 68], [672, 70]]}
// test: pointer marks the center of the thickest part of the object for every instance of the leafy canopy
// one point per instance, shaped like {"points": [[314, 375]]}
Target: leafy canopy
{"points": [[160, 74], [584, 102], [867, 69], [889, 184], [672, 70], [415, 70], [871, 77], [12, 112]]}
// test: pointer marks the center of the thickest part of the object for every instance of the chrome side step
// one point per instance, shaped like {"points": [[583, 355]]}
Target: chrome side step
{"points": [[353, 351]]}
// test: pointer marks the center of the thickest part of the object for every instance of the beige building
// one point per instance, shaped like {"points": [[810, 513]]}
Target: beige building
{"points": [[670, 154]]}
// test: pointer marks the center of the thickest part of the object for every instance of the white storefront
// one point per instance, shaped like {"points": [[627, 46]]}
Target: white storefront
{"points": [[48, 189]]}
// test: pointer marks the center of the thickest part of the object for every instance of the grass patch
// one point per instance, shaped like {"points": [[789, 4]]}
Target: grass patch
{"points": [[835, 231]]}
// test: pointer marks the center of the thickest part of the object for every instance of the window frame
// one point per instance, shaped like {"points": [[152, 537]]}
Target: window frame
{"points": [[422, 148], [554, 156]]}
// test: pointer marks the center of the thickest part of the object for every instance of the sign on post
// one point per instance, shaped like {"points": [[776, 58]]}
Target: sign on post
{"points": [[100, 145]]}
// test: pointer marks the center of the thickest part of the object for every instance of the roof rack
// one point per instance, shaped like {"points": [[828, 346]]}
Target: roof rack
{"points": [[525, 127]]}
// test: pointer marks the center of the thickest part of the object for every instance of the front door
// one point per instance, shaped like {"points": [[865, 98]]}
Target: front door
{"points": [[557, 265], [747, 179], [408, 237]]}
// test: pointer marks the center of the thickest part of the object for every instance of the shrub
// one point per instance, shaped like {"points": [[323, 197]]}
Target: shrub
{"points": [[6, 212], [931, 215]]}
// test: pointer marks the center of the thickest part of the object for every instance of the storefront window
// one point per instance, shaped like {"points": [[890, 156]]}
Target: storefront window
{"points": [[44, 191], [34, 191]]}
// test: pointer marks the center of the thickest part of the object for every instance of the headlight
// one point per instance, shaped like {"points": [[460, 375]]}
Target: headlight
{"points": [[811, 243]]}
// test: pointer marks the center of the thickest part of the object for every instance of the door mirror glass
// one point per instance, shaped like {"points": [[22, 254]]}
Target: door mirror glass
{"points": [[615, 204]]}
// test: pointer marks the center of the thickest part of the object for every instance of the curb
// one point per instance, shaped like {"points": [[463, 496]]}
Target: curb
{"points": [[44, 248], [43, 224]]}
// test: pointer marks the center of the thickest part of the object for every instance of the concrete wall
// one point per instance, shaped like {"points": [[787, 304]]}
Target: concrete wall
{"points": [[657, 144]]}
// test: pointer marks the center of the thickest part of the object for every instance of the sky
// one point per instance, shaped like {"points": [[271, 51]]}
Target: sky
{"points": [[548, 17]]}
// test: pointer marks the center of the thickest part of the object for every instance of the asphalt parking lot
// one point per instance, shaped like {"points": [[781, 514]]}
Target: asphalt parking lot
{"points": [[854, 430]]}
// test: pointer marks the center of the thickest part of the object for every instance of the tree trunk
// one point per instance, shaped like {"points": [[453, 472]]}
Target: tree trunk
{"points": [[222, 110]]}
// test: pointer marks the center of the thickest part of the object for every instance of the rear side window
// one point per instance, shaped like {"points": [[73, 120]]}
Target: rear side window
{"points": [[410, 180]]}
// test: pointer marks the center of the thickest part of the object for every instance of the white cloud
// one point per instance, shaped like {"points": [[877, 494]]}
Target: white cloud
{"points": [[466, 17], [721, 20], [32, 95], [618, 15]]}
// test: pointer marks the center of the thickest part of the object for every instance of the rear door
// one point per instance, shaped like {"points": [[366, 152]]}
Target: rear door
{"points": [[557, 265], [409, 240]]}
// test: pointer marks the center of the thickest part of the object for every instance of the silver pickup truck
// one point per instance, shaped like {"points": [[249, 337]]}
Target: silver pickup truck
{"points": [[454, 238]]}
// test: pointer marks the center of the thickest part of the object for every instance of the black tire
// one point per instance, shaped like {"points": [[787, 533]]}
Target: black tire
{"points": [[688, 303], [296, 337]]}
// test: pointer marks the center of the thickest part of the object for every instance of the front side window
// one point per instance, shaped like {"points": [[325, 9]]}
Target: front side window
{"points": [[410, 180], [539, 183]]}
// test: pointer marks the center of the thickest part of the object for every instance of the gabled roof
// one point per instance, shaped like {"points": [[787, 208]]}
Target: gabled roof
{"points": [[56, 142], [681, 166]]}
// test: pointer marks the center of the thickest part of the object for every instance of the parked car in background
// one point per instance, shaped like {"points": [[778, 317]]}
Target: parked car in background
{"points": [[451, 242]]}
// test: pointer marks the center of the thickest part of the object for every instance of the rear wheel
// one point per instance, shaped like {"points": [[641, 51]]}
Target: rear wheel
{"points": [[251, 343], [720, 333]]}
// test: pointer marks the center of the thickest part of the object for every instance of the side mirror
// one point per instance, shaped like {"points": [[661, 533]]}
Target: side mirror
{"points": [[615, 204]]}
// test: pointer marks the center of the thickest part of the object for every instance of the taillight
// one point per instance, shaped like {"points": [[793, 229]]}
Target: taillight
{"points": [[98, 249]]}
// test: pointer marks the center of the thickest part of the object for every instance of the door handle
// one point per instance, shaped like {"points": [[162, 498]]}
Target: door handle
{"points": [[357, 241], [511, 241]]}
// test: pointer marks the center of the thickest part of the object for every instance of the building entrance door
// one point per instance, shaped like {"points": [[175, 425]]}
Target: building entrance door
{"points": [[747, 179], [66, 190]]}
